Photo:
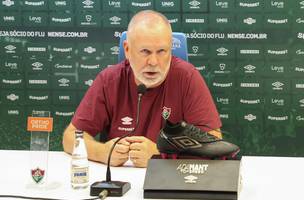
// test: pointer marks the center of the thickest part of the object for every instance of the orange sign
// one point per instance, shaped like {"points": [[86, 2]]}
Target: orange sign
{"points": [[40, 124]]}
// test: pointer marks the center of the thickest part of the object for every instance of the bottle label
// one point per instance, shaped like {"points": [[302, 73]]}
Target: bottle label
{"points": [[79, 175]]}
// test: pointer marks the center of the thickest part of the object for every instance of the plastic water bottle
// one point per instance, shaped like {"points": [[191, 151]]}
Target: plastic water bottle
{"points": [[79, 163]]}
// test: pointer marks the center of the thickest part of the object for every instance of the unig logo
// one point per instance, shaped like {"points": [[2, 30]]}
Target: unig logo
{"points": [[194, 4], [277, 85], [115, 20], [8, 3], [176, 43], [249, 21]]}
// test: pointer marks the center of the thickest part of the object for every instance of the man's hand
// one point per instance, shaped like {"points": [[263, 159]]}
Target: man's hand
{"points": [[141, 150], [120, 153]]}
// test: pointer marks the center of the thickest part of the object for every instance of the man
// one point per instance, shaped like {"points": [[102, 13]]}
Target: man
{"points": [[175, 89]]}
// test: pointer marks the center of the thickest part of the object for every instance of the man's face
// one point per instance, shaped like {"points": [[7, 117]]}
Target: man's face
{"points": [[149, 54]]}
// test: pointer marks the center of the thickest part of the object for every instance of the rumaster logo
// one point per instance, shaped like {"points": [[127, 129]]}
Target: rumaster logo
{"points": [[34, 3], [126, 120], [64, 82], [89, 49], [222, 4], [277, 85], [115, 20], [88, 4], [222, 51], [275, 118], [277, 52], [89, 82], [277, 21], [61, 20], [114, 50], [250, 101], [250, 117], [64, 114], [63, 50], [39, 98], [249, 21], [8, 3], [176, 43], [135, 4], [12, 97], [249, 69], [11, 82], [115, 4], [222, 85], [194, 4], [87, 66], [249, 5], [10, 49], [37, 66], [277, 4]]}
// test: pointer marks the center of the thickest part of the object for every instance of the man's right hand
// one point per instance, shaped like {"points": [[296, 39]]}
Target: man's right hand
{"points": [[120, 153]]}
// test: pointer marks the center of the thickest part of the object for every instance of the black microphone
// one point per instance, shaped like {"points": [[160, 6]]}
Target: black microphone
{"points": [[117, 188]]}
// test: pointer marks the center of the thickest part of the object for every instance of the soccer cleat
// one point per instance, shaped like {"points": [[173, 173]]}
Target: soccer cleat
{"points": [[184, 139]]}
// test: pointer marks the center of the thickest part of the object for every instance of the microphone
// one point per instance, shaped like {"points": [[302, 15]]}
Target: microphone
{"points": [[117, 188]]}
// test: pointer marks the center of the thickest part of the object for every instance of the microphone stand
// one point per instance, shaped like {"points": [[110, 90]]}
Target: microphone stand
{"points": [[116, 188]]}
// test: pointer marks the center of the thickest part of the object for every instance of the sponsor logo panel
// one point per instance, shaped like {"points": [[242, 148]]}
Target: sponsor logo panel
{"points": [[61, 19], [167, 5], [222, 6], [66, 5], [195, 5], [115, 5], [11, 18], [117, 20], [35, 5], [89, 19], [222, 67], [278, 101], [38, 97], [250, 68], [137, 5]]}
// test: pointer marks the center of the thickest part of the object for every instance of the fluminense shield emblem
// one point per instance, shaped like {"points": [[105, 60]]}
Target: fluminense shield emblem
{"points": [[166, 112], [37, 174]]}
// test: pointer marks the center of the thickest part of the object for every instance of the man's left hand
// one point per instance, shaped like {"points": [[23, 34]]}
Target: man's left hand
{"points": [[141, 150]]}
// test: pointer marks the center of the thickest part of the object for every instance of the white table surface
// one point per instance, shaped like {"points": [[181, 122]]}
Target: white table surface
{"points": [[262, 178]]}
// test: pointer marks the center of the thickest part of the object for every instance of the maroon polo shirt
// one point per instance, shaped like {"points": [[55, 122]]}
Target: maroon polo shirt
{"points": [[111, 102]]}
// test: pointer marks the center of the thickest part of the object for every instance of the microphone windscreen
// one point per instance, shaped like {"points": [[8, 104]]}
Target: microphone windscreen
{"points": [[141, 89]]}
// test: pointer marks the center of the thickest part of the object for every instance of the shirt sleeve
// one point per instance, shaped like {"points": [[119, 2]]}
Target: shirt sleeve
{"points": [[92, 115], [199, 107]]}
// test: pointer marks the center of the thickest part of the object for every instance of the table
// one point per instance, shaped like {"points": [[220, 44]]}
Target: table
{"points": [[262, 178]]}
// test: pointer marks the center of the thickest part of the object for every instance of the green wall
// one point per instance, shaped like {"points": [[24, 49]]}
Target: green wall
{"points": [[250, 52]]}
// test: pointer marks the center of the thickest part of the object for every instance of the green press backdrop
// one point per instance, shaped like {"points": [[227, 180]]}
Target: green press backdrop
{"points": [[250, 52]]}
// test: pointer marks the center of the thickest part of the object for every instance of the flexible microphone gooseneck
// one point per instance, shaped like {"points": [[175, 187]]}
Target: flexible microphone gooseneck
{"points": [[116, 188]]}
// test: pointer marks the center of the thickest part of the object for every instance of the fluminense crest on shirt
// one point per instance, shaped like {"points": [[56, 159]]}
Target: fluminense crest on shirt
{"points": [[166, 112]]}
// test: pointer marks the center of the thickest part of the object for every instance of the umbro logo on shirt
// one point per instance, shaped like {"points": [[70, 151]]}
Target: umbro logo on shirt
{"points": [[126, 120]]}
